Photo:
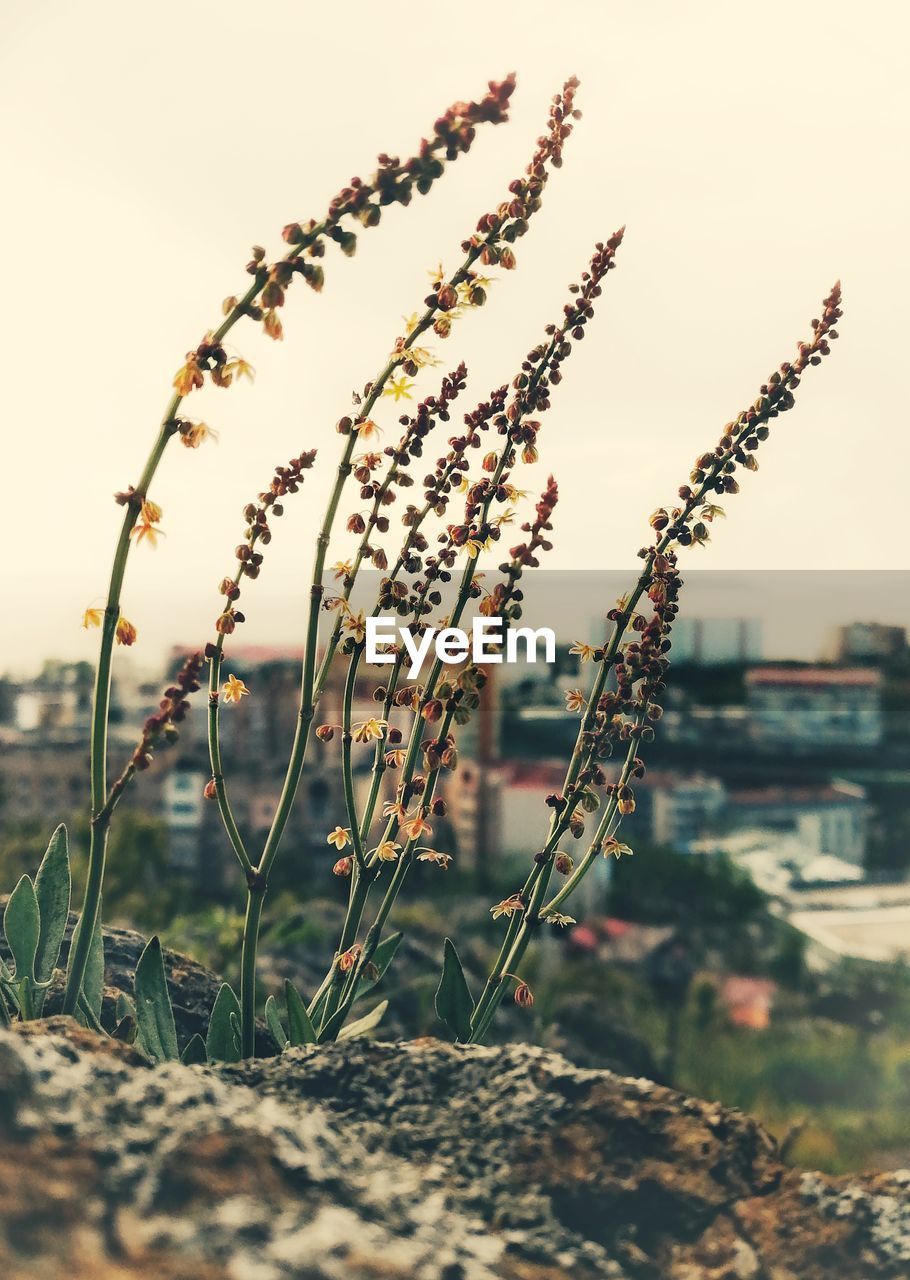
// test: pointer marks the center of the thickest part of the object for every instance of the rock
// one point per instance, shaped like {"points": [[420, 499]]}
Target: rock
{"points": [[192, 986], [380, 1161]]}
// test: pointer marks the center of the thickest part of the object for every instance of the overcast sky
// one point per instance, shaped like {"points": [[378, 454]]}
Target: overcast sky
{"points": [[755, 152]]}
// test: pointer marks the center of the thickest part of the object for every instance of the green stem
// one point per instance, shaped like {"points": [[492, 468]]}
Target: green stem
{"points": [[215, 761], [347, 768], [254, 901]]}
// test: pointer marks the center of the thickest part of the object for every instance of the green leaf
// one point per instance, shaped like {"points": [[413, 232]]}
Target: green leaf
{"points": [[8, 990], [364, 1024], [21, 924], [52, 889], [157, 1033], [454, 1003], [220, 1043], [85, 1014], [276, 1030], [300, 1028], [236, 1034], [194, 1053], [125, 1007], [93, 981], [126, 1029], [382, 958]]}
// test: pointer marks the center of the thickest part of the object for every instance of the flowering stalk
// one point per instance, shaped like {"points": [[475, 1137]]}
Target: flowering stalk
{"points": [[680, 526], [531, 394], [453, 134], [257, 879], [490, 244], [286, 480]]}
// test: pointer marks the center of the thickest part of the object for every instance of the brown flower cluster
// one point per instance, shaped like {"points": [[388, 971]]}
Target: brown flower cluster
{"points": [[497, 231], [286, 480], [624, 714], [504, 601], [541, 369], [161, 726], [381, 492], [394, 182]]}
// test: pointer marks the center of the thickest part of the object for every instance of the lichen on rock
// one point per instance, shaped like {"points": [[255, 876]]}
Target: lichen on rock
{"points": [[419, 1160]]}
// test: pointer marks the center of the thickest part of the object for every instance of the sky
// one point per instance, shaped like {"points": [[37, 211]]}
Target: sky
{"points": [[755, 153]]}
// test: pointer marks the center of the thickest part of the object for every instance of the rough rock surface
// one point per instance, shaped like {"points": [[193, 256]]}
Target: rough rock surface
{"points": [[378, 1161], [580, 1028]]}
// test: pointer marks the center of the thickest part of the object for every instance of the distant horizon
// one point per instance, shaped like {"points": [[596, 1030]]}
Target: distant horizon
{"points": [[798, 611]]}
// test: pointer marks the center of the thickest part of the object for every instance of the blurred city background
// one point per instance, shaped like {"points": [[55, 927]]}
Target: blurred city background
{"points": [[752, 949]]}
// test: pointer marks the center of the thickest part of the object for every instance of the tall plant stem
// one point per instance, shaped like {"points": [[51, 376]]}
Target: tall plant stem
{"points": [[100, 821], [255, 897], [214, 740], [102, 695], [313, 676]]}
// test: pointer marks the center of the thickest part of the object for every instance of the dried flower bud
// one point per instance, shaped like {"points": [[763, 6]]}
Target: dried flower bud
{"points": [[524, 997]]}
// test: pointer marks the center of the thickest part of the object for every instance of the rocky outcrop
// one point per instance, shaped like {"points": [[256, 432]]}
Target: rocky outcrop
{"points": [[380, 1161]]}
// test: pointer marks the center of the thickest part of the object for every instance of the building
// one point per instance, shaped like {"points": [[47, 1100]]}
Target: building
{"points": [[804, 709], [868, 642], [676, 809], [709, 641], [517, 794], [829, 819]]}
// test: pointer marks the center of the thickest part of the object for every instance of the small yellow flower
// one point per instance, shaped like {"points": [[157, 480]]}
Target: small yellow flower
{"points": [[612, 845], [145, 532], [367, 428], [234, 689], [356, 626], [556, 917], [348, 959], [394, 809], [585, 651], [400, 388], [240, 369], [416, 826], [339, 837], [515, 495], [271, 322], [476, 545], [411, 321], [368, 730], [396, 757], [195, 433], [437, 273], [710, 511], [342, 569], [188, 376], [508, 907], [387, 851], [421, 356], [575, 700], [92, 618], [432, 855], [126, 633]]}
